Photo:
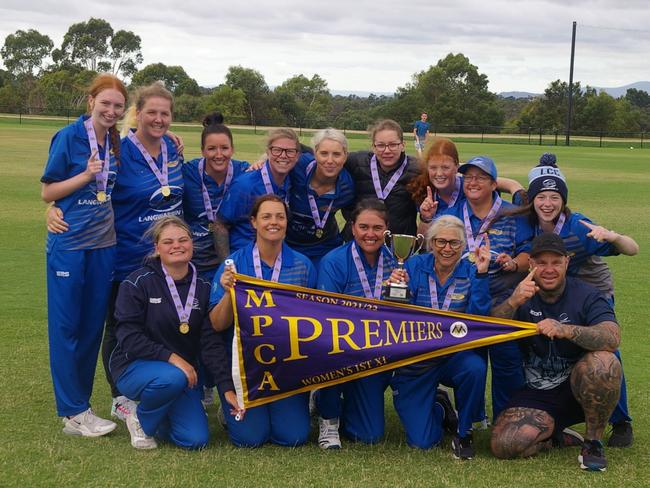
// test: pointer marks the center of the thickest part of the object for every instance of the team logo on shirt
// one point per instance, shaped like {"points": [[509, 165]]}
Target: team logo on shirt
{"points": [[155, 300], [172, 164], [458, 329], [159, 203], [535, 313], [496, 232]]}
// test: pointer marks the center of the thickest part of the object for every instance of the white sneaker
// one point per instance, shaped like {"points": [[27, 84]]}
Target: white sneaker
{"points": [[328, 433], [87, 424], [139, 439], [122, 407], [208, 397]]}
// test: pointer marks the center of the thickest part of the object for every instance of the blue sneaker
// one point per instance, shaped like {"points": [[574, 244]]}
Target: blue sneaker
{"points": [[592, 457]]}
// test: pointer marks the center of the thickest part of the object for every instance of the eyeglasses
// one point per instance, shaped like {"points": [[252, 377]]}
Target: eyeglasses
{"points": [[455, 244], [277, 151], [477, 178], [381, 147]]}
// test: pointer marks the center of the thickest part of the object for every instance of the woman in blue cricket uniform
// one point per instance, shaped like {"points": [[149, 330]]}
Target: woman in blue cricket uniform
{"points": [[149, 186], [284, 422], [442, 280], [357, 268], [207, 181], [79, 177], [586, 242], [283, 151], [163, 327], [483, 216], [318, 190]]}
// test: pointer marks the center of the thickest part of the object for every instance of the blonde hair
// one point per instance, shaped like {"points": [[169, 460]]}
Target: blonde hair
{"points": [[282, 133], [159, 225], [144, 93]]}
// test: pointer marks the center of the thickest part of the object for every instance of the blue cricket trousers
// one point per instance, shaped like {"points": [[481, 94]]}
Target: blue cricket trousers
{"points": [[359, 404], [78, 286], [168, 409], [414, 397]]}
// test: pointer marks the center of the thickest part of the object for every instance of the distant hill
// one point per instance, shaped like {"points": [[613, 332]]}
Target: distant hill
{"points": [[360, 94], [617, 91], [621, 90], [518, 94]]}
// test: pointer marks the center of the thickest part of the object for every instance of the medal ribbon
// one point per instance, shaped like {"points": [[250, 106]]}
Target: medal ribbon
{"points": [[211, 214], [433, 293], [161, 176], [320, 224], [101, 178], [559, 224], [454, 195], [257, 264], [473, 243], [383, 194], [268, 186], [364, 277], [183, 311]]}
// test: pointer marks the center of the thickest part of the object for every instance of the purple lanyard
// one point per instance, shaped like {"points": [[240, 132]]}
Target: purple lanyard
{"points": [[162, 177], [211, 214], [320, 223], [268, 186], [454, 195], [472, 243], [364, 277], [183, 311], [433, 293], [257, 264], [383, 194], [101, 178]]}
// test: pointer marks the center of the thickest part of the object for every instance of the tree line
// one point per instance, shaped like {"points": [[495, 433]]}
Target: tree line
{"points": [[40, 77]]}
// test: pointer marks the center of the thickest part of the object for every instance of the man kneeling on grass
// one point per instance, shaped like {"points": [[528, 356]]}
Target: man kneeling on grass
{"points": [[571, 372]]}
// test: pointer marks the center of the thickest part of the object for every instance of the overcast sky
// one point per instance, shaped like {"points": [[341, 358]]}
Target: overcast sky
{"points": [[371, 46]]}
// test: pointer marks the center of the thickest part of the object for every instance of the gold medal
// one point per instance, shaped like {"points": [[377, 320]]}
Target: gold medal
{"points": [[184, 328], [472, 257], [101, 196], [211, 226], [319, 233], [166, 191]]}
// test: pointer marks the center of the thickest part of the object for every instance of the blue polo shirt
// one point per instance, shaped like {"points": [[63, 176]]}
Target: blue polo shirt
{"points": [[296, 270], [421, 128], [471, 291], [90, 222], [238, 203], [507, 234], [338, 273], [301, 232], [194, 211], [138, 203]]}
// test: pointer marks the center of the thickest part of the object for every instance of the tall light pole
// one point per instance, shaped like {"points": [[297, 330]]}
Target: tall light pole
{"points": [[570, 110]]}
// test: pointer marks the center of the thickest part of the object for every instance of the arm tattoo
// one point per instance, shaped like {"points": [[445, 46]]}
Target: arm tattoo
{"points": [[600, 337], [221, 239], [504, 310]]}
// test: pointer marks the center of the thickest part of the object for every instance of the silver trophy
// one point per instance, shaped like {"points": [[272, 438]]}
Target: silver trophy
{"points": [[402, 246]]}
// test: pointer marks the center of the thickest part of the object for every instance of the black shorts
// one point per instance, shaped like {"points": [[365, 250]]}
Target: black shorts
{"points": [[558, 402]]}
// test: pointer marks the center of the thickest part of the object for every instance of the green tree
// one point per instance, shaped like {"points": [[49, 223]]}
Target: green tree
{"points": [[252, 83], [174, 77], [25, 51], [304, 101], [550, 110], [231, 102], [126, 53], [638, 98], [188, 108], [59, 91], [597, 113], [85, 44]]}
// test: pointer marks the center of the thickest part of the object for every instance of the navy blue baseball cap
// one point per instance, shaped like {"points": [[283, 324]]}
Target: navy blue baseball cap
{"points": [[483, 163]]}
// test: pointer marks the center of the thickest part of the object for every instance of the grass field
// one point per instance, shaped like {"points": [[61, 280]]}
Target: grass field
{"points": [[609, 185]]}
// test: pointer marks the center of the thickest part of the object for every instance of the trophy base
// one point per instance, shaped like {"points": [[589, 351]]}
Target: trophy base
{"points": [[397, 292]]}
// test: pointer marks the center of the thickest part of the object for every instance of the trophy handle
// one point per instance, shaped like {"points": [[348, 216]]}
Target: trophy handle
{"points": [[388, 244], [420, 243]]}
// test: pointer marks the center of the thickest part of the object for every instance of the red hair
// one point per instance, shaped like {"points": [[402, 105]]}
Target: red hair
{"points": [[439, 147], [106, 81]]}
